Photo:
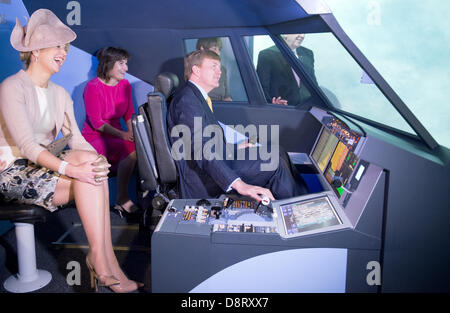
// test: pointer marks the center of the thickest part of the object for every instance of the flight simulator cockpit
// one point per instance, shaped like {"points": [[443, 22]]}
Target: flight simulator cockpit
{"points": [[377, 179], [218, 239]]}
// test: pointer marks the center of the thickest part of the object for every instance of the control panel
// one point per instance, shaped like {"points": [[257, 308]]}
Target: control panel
{"points": [[289, 218]]}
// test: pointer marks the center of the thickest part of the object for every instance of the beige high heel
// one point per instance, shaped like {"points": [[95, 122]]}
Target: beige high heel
{"points": [[126, 287], [100, 280]]}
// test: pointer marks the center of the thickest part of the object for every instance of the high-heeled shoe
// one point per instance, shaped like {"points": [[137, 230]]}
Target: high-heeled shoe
{"points": [[100, 280], [124, 213], [126, 287]]}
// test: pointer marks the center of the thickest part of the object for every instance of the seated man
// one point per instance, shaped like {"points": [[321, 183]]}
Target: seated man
{"points": [[280, 83], [199, 176]]}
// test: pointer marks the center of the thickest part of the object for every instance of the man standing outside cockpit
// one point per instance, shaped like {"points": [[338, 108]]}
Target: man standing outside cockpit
{"points": [[280, 82]]}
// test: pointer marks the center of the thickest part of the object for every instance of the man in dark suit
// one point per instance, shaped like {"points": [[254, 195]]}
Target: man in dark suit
{"points": [[280, 83], [199, 176]]}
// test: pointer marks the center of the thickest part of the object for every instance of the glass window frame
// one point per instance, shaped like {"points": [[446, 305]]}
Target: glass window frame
{"points": [[330, 106], [293, 62], [255, 95], [236, 60], [420, 133]]}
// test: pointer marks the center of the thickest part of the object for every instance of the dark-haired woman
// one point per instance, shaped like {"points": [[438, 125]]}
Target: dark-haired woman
{"points": [[108, 99]]}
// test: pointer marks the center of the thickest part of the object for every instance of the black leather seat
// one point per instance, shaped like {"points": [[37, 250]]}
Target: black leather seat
{"points": [[156, 167], [22, 213], [29, 278], [156, 109]]}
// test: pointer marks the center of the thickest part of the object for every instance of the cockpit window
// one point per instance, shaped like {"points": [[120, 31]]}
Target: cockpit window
{"points": [[279, 82], [331, 68], [347, 86], [230, 87]]}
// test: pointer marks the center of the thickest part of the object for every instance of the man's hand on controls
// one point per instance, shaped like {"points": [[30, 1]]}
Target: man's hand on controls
{"points": [[255, 192]]}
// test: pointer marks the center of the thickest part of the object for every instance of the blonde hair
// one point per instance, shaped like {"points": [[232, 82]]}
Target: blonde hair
{"points": [[26, 58], [196, 58]]}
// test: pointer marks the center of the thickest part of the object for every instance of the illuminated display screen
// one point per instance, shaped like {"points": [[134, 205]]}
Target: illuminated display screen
{"points": [[308, 215], [341, 166], [324, 148], [342, 132]]}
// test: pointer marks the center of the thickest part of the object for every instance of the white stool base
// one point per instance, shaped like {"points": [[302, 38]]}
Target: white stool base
{"points": [[15, 284]]}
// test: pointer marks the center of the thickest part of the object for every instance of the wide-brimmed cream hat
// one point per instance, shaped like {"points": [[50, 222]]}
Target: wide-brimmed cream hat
{"points": [[44, 30]]}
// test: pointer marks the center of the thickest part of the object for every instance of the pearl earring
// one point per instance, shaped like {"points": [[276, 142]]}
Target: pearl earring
{"points": [[36, 59]]}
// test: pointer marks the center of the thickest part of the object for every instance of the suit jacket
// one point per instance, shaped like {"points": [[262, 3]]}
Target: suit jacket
{"points": [[277, 78], [201, 178]]}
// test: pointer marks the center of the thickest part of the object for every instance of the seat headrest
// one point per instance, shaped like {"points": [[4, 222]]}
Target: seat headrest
{"points": [[166, 83]]}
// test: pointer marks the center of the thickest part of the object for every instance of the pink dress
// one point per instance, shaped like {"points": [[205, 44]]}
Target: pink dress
{"points": [[108, 104]]}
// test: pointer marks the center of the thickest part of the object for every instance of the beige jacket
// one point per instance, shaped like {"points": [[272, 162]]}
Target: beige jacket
{"points": [[19, 116]]}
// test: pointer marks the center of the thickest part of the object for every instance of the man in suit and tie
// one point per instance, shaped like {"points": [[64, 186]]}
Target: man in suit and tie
{"points": [[205, 177], [280, 82]]}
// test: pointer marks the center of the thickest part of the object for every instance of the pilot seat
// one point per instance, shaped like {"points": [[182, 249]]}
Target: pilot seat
{"points": [[156, 168]]}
